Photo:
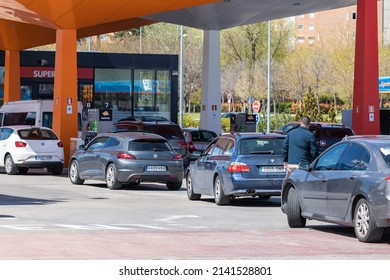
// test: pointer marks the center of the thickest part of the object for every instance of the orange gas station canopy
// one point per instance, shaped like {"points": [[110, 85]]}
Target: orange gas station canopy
{"points": [[30, 23]]}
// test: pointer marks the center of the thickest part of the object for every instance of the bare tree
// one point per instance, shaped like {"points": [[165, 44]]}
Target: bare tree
{"points": [[247, 46], [318, 60]]}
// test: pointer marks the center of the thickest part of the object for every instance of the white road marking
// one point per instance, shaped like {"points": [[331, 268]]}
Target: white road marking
{"points": [[170, 219]]}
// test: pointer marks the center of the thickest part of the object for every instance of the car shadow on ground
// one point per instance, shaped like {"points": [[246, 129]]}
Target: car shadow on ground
{"points": [[18, 200], [274, 201], [347, 231], [135, 187], [37, 172]]}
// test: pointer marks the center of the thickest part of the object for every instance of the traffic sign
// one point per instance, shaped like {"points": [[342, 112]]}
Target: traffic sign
{"points": [[256, 106]]}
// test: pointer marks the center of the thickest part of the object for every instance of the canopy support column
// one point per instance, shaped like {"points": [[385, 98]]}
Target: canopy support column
{"points": [[65, 89], [12, 76], [365, 115], [210, 111]]}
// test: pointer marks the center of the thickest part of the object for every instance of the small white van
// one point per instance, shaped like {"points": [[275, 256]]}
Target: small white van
{"points": [[31, 112]]}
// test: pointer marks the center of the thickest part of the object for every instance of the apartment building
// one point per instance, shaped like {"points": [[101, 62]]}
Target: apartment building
{"points": [[325, 25]]}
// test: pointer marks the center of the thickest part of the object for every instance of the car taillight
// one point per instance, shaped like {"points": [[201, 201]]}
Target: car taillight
{"points": [[177, 157], [183, 144], [125, 156], [191, 147], [238, 167], [60, 145], [20, 144], [322, 143], [387, 191]]}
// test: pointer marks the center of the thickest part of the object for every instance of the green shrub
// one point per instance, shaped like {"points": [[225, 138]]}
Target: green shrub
{"points": [[225, 123], [191, 120]]}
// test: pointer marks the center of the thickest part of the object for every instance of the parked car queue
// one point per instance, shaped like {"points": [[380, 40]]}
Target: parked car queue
{"points": [[347, 184]]}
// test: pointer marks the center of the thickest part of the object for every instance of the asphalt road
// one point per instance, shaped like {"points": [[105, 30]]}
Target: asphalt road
{"points": [[44, 217]]}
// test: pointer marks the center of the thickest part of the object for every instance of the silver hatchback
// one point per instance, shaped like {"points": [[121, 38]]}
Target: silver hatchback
{"points": [[349, 184], [127, 157]]}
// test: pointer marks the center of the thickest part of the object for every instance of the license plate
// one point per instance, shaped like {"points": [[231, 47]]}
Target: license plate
{"points": [[43, 157], [156, 168], [272, 169]]}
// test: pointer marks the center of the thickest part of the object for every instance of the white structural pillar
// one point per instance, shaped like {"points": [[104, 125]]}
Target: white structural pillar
{"points": [[210, 109]]}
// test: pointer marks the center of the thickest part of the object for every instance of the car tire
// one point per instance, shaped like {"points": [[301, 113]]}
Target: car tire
{"points": [[364, 223], [74, 174], [22, 170], [219, 195], [9, 165], [174, 186], [112, 178], [293, 210], [57, 170], [190, 190]]}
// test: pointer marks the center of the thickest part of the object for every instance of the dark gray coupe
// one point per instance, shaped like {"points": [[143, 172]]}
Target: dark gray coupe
{"points": [[127, 157], [349, 184]]}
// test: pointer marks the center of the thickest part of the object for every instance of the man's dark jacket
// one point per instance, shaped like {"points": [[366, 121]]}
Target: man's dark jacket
{"points": [[299, 146]]}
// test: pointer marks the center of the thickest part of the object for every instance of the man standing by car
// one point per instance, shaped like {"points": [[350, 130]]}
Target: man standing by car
{"points": [[299, 146]]}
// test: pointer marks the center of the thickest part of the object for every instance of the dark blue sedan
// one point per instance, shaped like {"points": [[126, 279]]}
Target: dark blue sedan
{"points": [[238, 165]]}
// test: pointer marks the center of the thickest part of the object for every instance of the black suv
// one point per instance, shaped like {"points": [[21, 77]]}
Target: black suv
{"points": [[326, 134], [158, 125]]}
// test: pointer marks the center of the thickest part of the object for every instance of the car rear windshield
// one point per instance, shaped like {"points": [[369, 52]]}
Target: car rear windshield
{"points": [[149, 145], [337, 132], [169, 132], [250, 146], [203, 136], [37, 134]]}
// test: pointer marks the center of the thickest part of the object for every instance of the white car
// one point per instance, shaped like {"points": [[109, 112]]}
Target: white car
{"points": [[24, 147]]}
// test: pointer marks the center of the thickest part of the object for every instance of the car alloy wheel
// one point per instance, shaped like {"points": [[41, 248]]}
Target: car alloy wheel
{"points": [[365, 226], [10, 167], [111, 178], [74, 174], [190, 191], [220, 197]]}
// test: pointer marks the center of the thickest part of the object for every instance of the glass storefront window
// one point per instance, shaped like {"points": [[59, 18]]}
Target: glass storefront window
{"points": [[45, 91], [163, 93], [152, 93], [144, 89], [113, 89], [25, 92]]}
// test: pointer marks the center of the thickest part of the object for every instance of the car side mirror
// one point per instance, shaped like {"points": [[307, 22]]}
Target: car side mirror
{"points": [[82, 147], [304, 166]]}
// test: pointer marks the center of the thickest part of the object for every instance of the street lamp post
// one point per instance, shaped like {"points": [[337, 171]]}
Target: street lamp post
{"points": [[269, 78], [181, 77]]}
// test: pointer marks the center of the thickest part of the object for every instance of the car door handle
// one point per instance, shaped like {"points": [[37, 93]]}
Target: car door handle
{"points": [[324, 180], [353, 177]]}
